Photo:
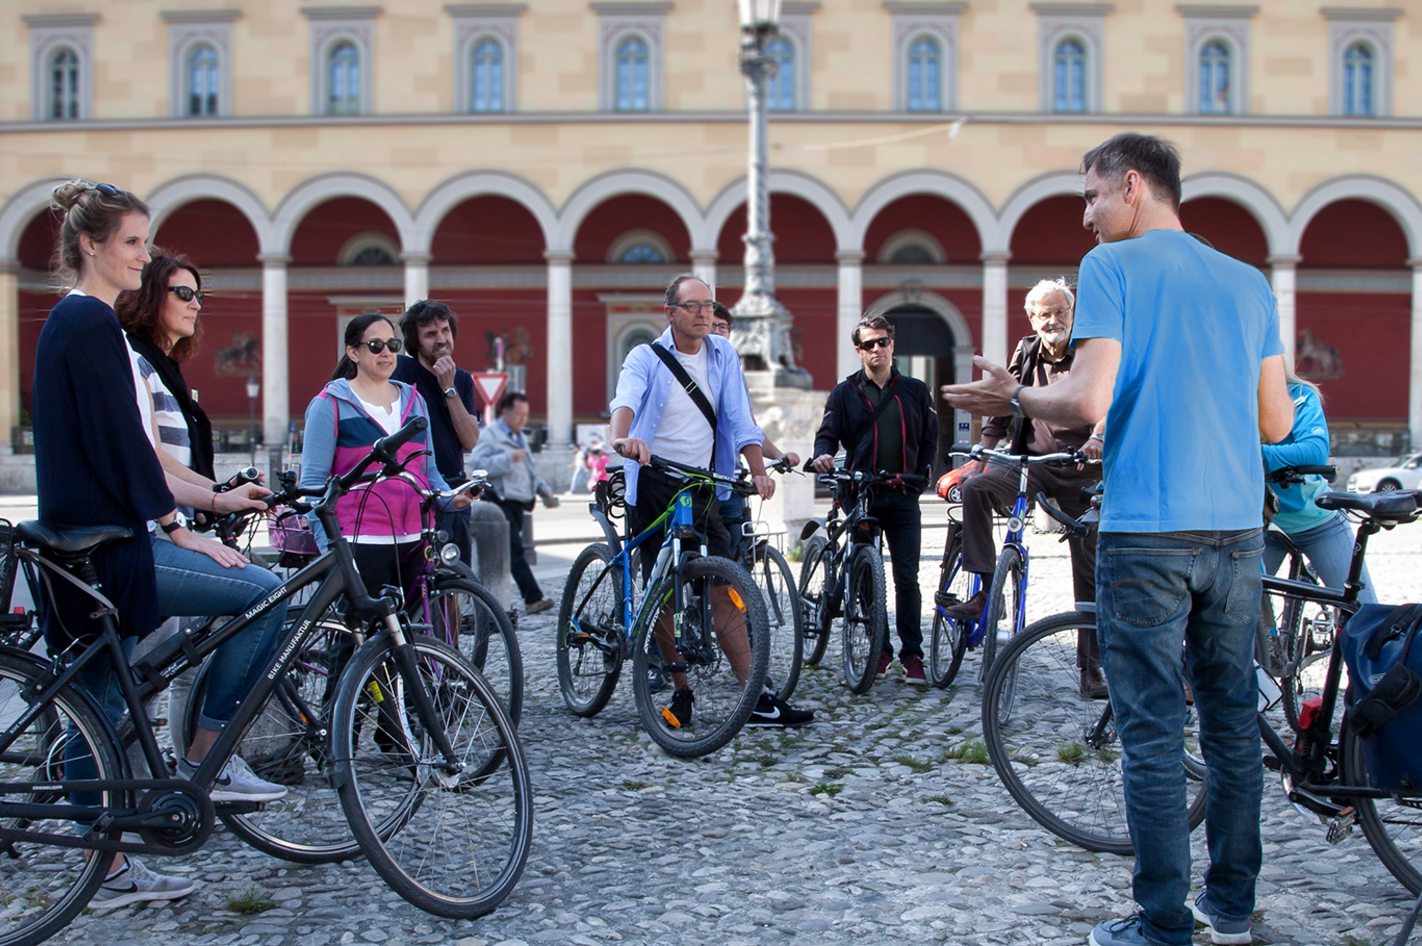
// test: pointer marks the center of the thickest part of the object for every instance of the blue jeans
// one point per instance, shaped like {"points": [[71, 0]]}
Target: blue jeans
{"points": [[1329, 549], [191, 583], [1157, 593]]}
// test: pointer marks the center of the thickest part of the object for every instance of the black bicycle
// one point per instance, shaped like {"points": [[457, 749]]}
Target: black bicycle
{"points": [[426, 761]]}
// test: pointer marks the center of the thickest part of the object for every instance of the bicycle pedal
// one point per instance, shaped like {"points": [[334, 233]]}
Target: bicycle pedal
{"points": [[1343, 825], [1273, 764], [945, 598]]}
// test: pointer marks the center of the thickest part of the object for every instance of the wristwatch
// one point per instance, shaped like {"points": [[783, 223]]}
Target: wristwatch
{"points": [[451, 392], [1015, 404]]}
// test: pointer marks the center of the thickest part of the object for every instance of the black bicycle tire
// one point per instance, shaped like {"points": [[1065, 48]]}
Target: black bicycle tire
{"points": [[709, 569], [57, 912], [1375, 825], [948, 636], [250, 827], [509, 758], [814, 610], [611, 656], [1295, 646], [1056, 678], [1009, 561], [510, 686], [866, 565], [771, 564]]}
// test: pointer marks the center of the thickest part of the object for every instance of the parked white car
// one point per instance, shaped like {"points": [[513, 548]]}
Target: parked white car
{"points": [[1407, 474]]}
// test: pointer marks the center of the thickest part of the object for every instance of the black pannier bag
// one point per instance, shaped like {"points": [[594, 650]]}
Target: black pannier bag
{"points": [[1384, 682]]}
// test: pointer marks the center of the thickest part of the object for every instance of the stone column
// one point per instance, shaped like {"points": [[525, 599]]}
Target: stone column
{"points": [[417, 277], [703, 264], [1282, 273], [1414, 367], [994, 341], [9, 349], [851, 307], [560, 347], [276, 413]]}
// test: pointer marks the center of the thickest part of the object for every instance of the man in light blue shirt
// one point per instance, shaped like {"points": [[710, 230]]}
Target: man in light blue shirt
{"points": [[1181, 343]]}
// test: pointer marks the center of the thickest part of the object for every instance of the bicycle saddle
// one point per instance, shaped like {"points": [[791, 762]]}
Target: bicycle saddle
{"points": [[1392, 505], [70, 540]]}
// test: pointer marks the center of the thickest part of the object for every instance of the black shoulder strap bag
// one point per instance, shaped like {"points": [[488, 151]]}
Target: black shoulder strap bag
{"points": [[885, 399], [693, 391]]}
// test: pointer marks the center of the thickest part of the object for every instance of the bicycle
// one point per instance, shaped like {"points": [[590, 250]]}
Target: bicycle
{"points": [[426, 761], [603, 620], [846, 581], [1322, 771]]}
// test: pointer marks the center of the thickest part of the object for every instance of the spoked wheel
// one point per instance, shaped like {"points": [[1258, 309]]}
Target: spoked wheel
{"points": [[1393, 826], [1056, 751], [1307, 642], [782, 609], [288, 743], [815, 604], [949, 639], [463, 613], [450, 839], [719, 628], [865, 623], [590, 632], [43, 887], [1003, 603]]}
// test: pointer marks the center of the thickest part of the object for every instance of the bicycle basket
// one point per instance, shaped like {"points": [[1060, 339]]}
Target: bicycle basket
{"points": [[292, 537]]}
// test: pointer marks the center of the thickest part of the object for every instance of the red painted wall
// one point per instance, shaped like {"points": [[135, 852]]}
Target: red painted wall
{"points": [[615, 216], [1050, 234], [942, 218], [37, 242], [1371, 332], [212, 232], [802, 234], [327, 228], [488, 230], [1228, 226], [1353, 234]]}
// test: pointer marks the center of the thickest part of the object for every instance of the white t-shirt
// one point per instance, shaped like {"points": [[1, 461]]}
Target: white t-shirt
{"points": [[387, 417], [684, 434]]}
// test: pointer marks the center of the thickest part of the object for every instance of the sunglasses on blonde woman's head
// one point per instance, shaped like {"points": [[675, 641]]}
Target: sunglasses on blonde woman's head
{"points": [[188, 293], [378, 345]]}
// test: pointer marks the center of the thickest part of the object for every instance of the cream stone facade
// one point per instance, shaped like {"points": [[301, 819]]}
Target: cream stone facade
{"points": [[982, 169]]}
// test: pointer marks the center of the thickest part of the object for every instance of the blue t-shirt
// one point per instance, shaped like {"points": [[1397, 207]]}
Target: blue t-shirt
{"points": [[1182, 436]]}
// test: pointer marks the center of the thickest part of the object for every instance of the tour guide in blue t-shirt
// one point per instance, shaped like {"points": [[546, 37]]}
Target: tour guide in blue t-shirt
{"points": [[1181, 343]]}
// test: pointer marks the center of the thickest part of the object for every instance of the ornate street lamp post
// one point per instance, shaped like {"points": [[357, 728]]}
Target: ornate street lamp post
{"points": [[254, 390], [762, 326]]}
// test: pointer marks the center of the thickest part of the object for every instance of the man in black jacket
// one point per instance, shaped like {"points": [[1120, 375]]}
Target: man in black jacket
{"points": [[899, 437], [1040, 359]]}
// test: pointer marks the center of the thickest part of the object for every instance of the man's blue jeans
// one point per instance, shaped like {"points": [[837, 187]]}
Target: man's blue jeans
{"points": [[1157, 593]]}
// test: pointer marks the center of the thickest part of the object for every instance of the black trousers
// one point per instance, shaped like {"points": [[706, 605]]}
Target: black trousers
{"points": [[997, 486], [518, 565], [902, 521]]}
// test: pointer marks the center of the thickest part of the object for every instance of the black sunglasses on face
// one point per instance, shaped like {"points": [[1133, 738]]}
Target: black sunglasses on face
{"points": [[188, 293], [378, 345], [869, 344]]}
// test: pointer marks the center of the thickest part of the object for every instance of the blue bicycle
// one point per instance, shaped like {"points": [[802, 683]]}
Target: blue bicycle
{"points": [[700, 618]]}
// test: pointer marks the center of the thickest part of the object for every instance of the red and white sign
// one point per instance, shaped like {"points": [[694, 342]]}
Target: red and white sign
{"points": [[491, 386]]}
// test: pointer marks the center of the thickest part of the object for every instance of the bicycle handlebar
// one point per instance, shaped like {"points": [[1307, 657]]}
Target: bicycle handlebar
{"points": [[1075, 527], [1289, 475], [685, 471], [978, 451]]}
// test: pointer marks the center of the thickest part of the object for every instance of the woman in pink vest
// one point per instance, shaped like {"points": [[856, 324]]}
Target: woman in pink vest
{"points": [[359, 406]]}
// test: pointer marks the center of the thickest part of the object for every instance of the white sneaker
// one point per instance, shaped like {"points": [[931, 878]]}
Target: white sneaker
{"points": [[236, 782], [135, 883]]}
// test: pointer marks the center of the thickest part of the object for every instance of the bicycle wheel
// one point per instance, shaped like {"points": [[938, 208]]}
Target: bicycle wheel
{"points": [[815, 606], [1057, 752], [864, 626], [1307, 643], [43, 887], [782, 609], [723, 698], [1003, 605], [463, 836], [288, 743], [464, 614], [1393, 826], [949, 638], [590, 632]]}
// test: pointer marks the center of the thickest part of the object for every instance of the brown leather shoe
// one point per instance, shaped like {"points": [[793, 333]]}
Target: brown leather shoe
{"points": [[970, 610], [1093, 684]]}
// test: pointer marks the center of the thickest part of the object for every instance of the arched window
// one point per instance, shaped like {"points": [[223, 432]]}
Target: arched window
{"points": [[202, 80], [925, 67], [632, 59], [1358, 80], [488, 77], [640, 253], [780, 91], [64, 84], [1215, 78], [344, 91], [1069, 76]]}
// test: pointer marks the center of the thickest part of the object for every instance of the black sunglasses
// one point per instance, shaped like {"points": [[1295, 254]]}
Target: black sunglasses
{"points": [[187, 293], [378, 345], [870, 344]]}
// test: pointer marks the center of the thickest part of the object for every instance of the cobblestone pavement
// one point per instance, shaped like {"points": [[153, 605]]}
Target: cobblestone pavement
{"points": [[878, 824]]}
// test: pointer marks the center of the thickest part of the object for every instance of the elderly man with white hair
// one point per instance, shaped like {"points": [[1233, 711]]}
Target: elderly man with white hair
{"points": [[1040, 359]]}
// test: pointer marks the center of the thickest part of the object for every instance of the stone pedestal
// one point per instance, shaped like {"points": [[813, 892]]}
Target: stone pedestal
{"points": [[490, 531], [789, 417]]}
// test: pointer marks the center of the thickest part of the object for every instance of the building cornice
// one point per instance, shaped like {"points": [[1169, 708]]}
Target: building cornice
{"points": [[1214, 11], [341, 13], [59, 20], [1362, 14], [469, 10], [913, 8], [1072, 9], [630, 9], [800, 8], [198, 17]]}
